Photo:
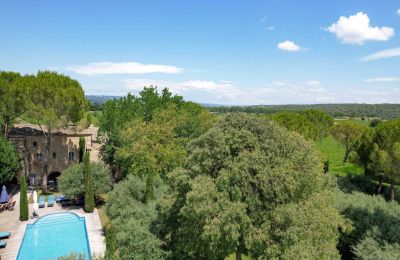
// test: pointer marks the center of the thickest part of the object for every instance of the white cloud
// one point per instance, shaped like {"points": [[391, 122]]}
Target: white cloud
{"points": [[387, 79], [389, 53], [288, 46], [356, 29], [275, 92], [100, 68], [219, 90], [270, 28], [398, 11]]}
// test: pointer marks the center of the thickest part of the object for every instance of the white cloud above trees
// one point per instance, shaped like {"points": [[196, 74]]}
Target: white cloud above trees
{"points": [[356, 29]]}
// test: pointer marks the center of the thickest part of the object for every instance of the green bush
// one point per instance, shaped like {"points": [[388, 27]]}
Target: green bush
{"points": [[9, 161], [23, 200], [72, 180]]}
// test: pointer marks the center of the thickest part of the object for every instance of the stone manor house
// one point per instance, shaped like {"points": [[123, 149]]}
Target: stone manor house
{"points": [[30, 141]]}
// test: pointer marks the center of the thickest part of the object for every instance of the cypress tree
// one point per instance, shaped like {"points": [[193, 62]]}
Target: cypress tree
{"points": [[23, 200], [89, 197], [82, 148]]}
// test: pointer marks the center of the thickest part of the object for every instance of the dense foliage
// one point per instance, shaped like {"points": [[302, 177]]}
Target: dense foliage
{"points": [[23, 200], [376, 227], [385, 111], [246, 184], [9, 161], [72, 180], [133, 219], [147, 135]]}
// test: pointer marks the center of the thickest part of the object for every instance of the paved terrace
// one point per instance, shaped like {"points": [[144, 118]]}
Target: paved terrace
{"points": [[9, 221]]}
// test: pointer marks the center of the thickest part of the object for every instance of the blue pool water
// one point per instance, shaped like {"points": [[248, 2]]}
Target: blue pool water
{"points": [[53, 236]]}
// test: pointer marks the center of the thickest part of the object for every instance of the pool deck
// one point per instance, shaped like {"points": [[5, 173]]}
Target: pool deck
{"points": [[9, 221]]}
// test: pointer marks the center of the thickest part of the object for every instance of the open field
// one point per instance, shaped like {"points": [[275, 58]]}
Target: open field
{"points": [[334, 152]]}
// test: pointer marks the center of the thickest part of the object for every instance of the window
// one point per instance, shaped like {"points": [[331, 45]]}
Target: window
{"points": [[54, 155], [71, 156], [39, 157], [34, 144]]}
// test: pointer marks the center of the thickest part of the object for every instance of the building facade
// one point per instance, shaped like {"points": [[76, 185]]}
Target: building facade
{"points": [[30, 141]]}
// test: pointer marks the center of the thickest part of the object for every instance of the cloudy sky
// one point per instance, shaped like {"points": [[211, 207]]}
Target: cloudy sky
{"points": [[222, 52]]}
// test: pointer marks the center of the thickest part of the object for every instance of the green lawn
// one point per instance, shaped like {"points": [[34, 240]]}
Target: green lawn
{"points": [[334, 152], [356, 120]]}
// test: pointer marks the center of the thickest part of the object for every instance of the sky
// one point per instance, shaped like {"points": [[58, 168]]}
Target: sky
{"points": [[218, 52]]}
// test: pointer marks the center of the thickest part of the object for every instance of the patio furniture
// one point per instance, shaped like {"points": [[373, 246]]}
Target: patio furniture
{"points": [[3, 243], [5, 234], [42, 201], [11, 205], [60, 198], [50, 201]]}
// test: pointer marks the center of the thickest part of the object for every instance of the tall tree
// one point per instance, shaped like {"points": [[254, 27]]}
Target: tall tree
{"points": [[348, 134], [9, 161], [82, 148], [388, 138], [320, 120], [23, 200], [14, 97], [253, 188], [88, 173], [56, 100]]}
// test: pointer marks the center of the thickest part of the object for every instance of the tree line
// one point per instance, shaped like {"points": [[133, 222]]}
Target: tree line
{"points": [[384, 111], [241, 184]]}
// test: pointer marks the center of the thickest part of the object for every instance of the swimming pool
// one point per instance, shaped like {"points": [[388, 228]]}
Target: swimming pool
{"points": [[55, 235]]}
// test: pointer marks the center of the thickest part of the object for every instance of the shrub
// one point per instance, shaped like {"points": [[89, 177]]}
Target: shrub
{"points": [[72, 180]]}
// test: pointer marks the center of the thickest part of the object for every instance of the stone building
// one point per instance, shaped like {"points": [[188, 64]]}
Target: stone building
{"points": [[30, 141]]}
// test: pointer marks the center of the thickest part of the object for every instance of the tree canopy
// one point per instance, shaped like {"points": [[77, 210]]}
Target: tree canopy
{"points": [[9, 161], [247, 186], [14, 101], [348, 134]]}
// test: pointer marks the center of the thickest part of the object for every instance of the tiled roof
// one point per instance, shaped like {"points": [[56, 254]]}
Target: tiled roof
{"points": [[35, 130]]}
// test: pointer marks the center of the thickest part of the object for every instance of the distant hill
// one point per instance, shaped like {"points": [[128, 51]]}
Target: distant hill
{"points": [[98, 100], [384, 111]]}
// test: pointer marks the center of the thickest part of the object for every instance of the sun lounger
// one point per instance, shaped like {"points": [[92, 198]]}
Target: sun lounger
{"points": [[50, 201], [41, 202], [3, 243], [5, 234]]}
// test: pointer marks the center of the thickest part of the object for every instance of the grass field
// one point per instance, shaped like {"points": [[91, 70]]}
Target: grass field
{"points": [[334, 152], [356, 120]]}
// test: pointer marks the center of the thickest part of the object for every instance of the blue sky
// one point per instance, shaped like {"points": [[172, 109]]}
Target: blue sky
{"points": [[223, 52]]}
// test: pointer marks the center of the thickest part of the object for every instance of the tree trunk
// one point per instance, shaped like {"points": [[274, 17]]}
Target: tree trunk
{"points": [[380, 185], [46, 162], [346, 155], [5, 129], [392, 191], [239, 253]]}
